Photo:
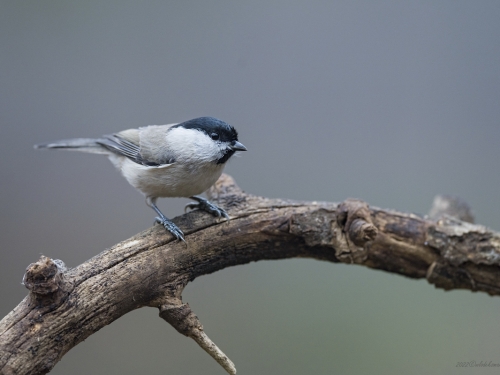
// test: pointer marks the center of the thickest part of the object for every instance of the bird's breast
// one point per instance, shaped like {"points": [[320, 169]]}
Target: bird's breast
{"points": [[173, 180]]}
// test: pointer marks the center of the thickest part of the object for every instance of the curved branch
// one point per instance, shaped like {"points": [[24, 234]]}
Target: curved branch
{"points": [[64, 307]]}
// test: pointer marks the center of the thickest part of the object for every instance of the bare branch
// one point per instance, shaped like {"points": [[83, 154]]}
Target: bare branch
{"points": [[64, 307]]}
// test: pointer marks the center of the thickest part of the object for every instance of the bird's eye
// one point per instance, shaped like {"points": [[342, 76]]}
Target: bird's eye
{"points": [[214, 136]]}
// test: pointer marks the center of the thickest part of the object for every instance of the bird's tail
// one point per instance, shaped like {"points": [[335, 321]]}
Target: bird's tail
{"points": [[77, 144]]}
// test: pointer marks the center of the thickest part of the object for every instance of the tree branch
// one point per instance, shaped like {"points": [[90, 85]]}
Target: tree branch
{"points": [[64, 307]]}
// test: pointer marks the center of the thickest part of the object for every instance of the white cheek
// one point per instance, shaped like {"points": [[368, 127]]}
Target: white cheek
{"points": [[188, 144]]}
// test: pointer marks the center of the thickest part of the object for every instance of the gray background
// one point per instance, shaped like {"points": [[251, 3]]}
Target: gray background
{"points": [[388, 101]]}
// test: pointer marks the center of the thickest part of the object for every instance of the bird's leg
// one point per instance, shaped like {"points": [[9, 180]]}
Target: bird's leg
{"points": [[167, 223], [204, 205]]}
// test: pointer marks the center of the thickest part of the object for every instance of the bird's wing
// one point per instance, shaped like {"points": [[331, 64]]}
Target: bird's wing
{"points": [[120, 146], [126, 143], [144, 146], [131, 135]]}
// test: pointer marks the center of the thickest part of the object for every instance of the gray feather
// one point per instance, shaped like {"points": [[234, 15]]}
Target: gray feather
{"points": [[131, 135], [145, 146], [89, 145]]}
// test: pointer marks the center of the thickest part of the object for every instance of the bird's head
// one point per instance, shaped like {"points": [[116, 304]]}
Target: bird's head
{"points": [[206, 139]]}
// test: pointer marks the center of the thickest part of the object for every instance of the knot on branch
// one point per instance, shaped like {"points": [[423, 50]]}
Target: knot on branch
{"points": [[45, 276], [46, 283], [353, 217], [354, 228]]}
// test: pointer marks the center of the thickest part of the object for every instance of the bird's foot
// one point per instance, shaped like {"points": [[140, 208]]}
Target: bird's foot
{"points": [[171, 227], [205, 205]]}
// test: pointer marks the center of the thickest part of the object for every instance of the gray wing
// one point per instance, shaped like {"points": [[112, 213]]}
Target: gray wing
{"points": [[143, 146], [121, 146]]}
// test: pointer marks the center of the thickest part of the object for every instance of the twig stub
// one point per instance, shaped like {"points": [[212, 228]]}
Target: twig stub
{"points": [[185, 321], [181, 317]]}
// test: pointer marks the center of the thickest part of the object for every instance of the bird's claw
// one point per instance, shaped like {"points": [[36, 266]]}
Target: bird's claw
{"points": [[190, 206], [205, 205], [171, 227]]}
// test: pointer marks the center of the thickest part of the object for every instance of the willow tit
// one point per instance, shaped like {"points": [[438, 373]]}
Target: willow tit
{"points": [[175, 160]]}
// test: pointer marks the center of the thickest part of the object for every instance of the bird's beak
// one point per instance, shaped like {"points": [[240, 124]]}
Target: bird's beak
{"points": [[237, 146]]}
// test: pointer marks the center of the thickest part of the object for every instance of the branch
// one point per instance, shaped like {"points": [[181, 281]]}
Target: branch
{"points": [[64, 307]]}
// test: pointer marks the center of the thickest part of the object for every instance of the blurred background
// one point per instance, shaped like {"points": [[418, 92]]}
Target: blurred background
{"points": [[390, 102]]}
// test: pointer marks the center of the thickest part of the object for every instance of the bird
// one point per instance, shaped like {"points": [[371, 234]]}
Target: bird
{"points": [[175, 160]]}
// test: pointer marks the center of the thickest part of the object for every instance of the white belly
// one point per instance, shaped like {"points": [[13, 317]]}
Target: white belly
{"points": [[173, 180]]}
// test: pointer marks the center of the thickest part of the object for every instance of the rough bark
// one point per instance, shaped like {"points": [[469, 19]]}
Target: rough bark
{"points": [[65, 306]]}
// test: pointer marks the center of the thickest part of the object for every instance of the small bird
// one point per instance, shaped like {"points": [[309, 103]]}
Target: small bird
{"points": [[175, 160]]}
